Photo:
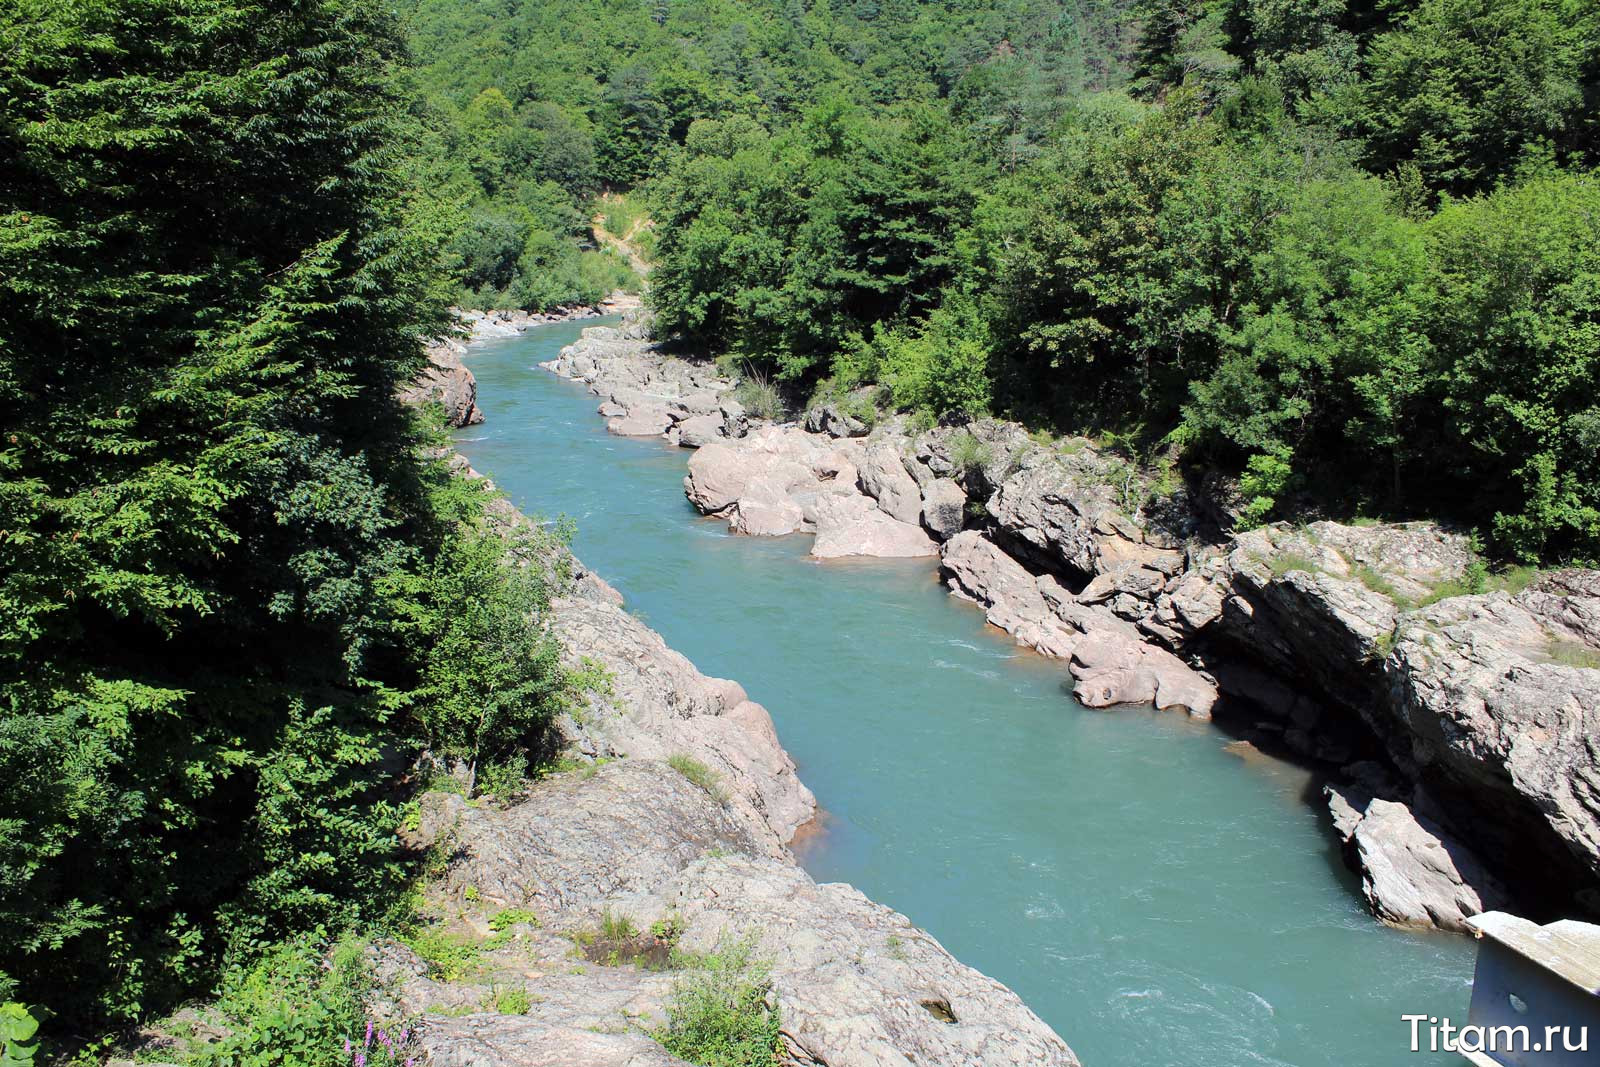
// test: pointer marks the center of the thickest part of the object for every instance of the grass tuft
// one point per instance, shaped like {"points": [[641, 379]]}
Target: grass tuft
{"points": [[1574, 654], [700, 775]]}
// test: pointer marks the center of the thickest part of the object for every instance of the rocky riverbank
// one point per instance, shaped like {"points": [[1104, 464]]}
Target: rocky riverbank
{"points": [[447, 381], [1457, 729], [670, 833]]}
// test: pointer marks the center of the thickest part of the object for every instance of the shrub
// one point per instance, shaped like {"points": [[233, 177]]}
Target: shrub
{"points": [[942, 364], [969, 454], [450, 956], [302, 1005], [759, 395], [717, 1013], [505, 919], [514, 1001]]}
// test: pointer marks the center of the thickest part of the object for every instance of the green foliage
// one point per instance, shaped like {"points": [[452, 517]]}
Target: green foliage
{"points": [[760, 396], [450, 954], [781, 247], [506, 918], [718, 1013], [940, 365], [493, 678], [295, 1007], [18, 1028], [1265, 477], [234, 595], [1467, 88], [700, 775]]}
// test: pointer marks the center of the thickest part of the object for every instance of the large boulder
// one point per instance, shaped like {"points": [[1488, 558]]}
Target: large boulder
{"points": [[447, 381], [718, 473], [1413, 872], [641, 421], [1112, 668], [697, 431], [885, 478], [944, 507], [852, 526], [1012, 598], [842, 417], [1063, 510]]}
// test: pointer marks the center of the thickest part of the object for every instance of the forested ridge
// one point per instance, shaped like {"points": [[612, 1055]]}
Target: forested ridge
{"points": [[1346, 252]]}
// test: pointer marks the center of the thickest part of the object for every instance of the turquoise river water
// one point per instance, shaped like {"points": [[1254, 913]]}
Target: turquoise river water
{"points": [[1156, 899]]}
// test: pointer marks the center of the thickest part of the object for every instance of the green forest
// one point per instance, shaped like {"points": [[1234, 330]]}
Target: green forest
{"points": [[1346, 251]]}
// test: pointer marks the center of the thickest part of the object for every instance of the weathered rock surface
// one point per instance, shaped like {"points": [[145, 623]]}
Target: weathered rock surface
{"points": [[491, 1040], [582, 841], [1462, 696], [659, 705], [1413, 873], [1108, 657], [447, 382], [885, 478], [851, 526], [1489, 704], [859, 985], [944, 508]]}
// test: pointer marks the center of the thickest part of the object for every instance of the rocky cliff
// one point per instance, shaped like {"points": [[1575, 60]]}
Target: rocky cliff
{"points": [[1458, 732]]}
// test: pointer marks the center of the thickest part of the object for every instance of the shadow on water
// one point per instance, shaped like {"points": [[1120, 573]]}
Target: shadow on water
{"points": [[1153, 897]]}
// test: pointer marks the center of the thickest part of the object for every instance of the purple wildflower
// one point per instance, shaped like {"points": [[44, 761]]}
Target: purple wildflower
{"points": [[405, 1035], [368, 1042], [347, 1046], [361, 1059]]}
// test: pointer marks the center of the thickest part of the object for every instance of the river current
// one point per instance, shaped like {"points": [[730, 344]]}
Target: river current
{"points": [[1158, 900]]}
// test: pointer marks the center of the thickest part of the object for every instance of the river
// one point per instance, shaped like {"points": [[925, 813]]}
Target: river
{"points": [[1156, 899]]}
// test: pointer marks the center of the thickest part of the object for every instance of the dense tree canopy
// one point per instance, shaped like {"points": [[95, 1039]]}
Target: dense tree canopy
{"points": [[219, 257], [1306, 249]]}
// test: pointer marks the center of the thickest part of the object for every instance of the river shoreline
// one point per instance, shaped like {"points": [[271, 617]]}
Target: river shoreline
{"points": [[680, 816], [1305, 640]]}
